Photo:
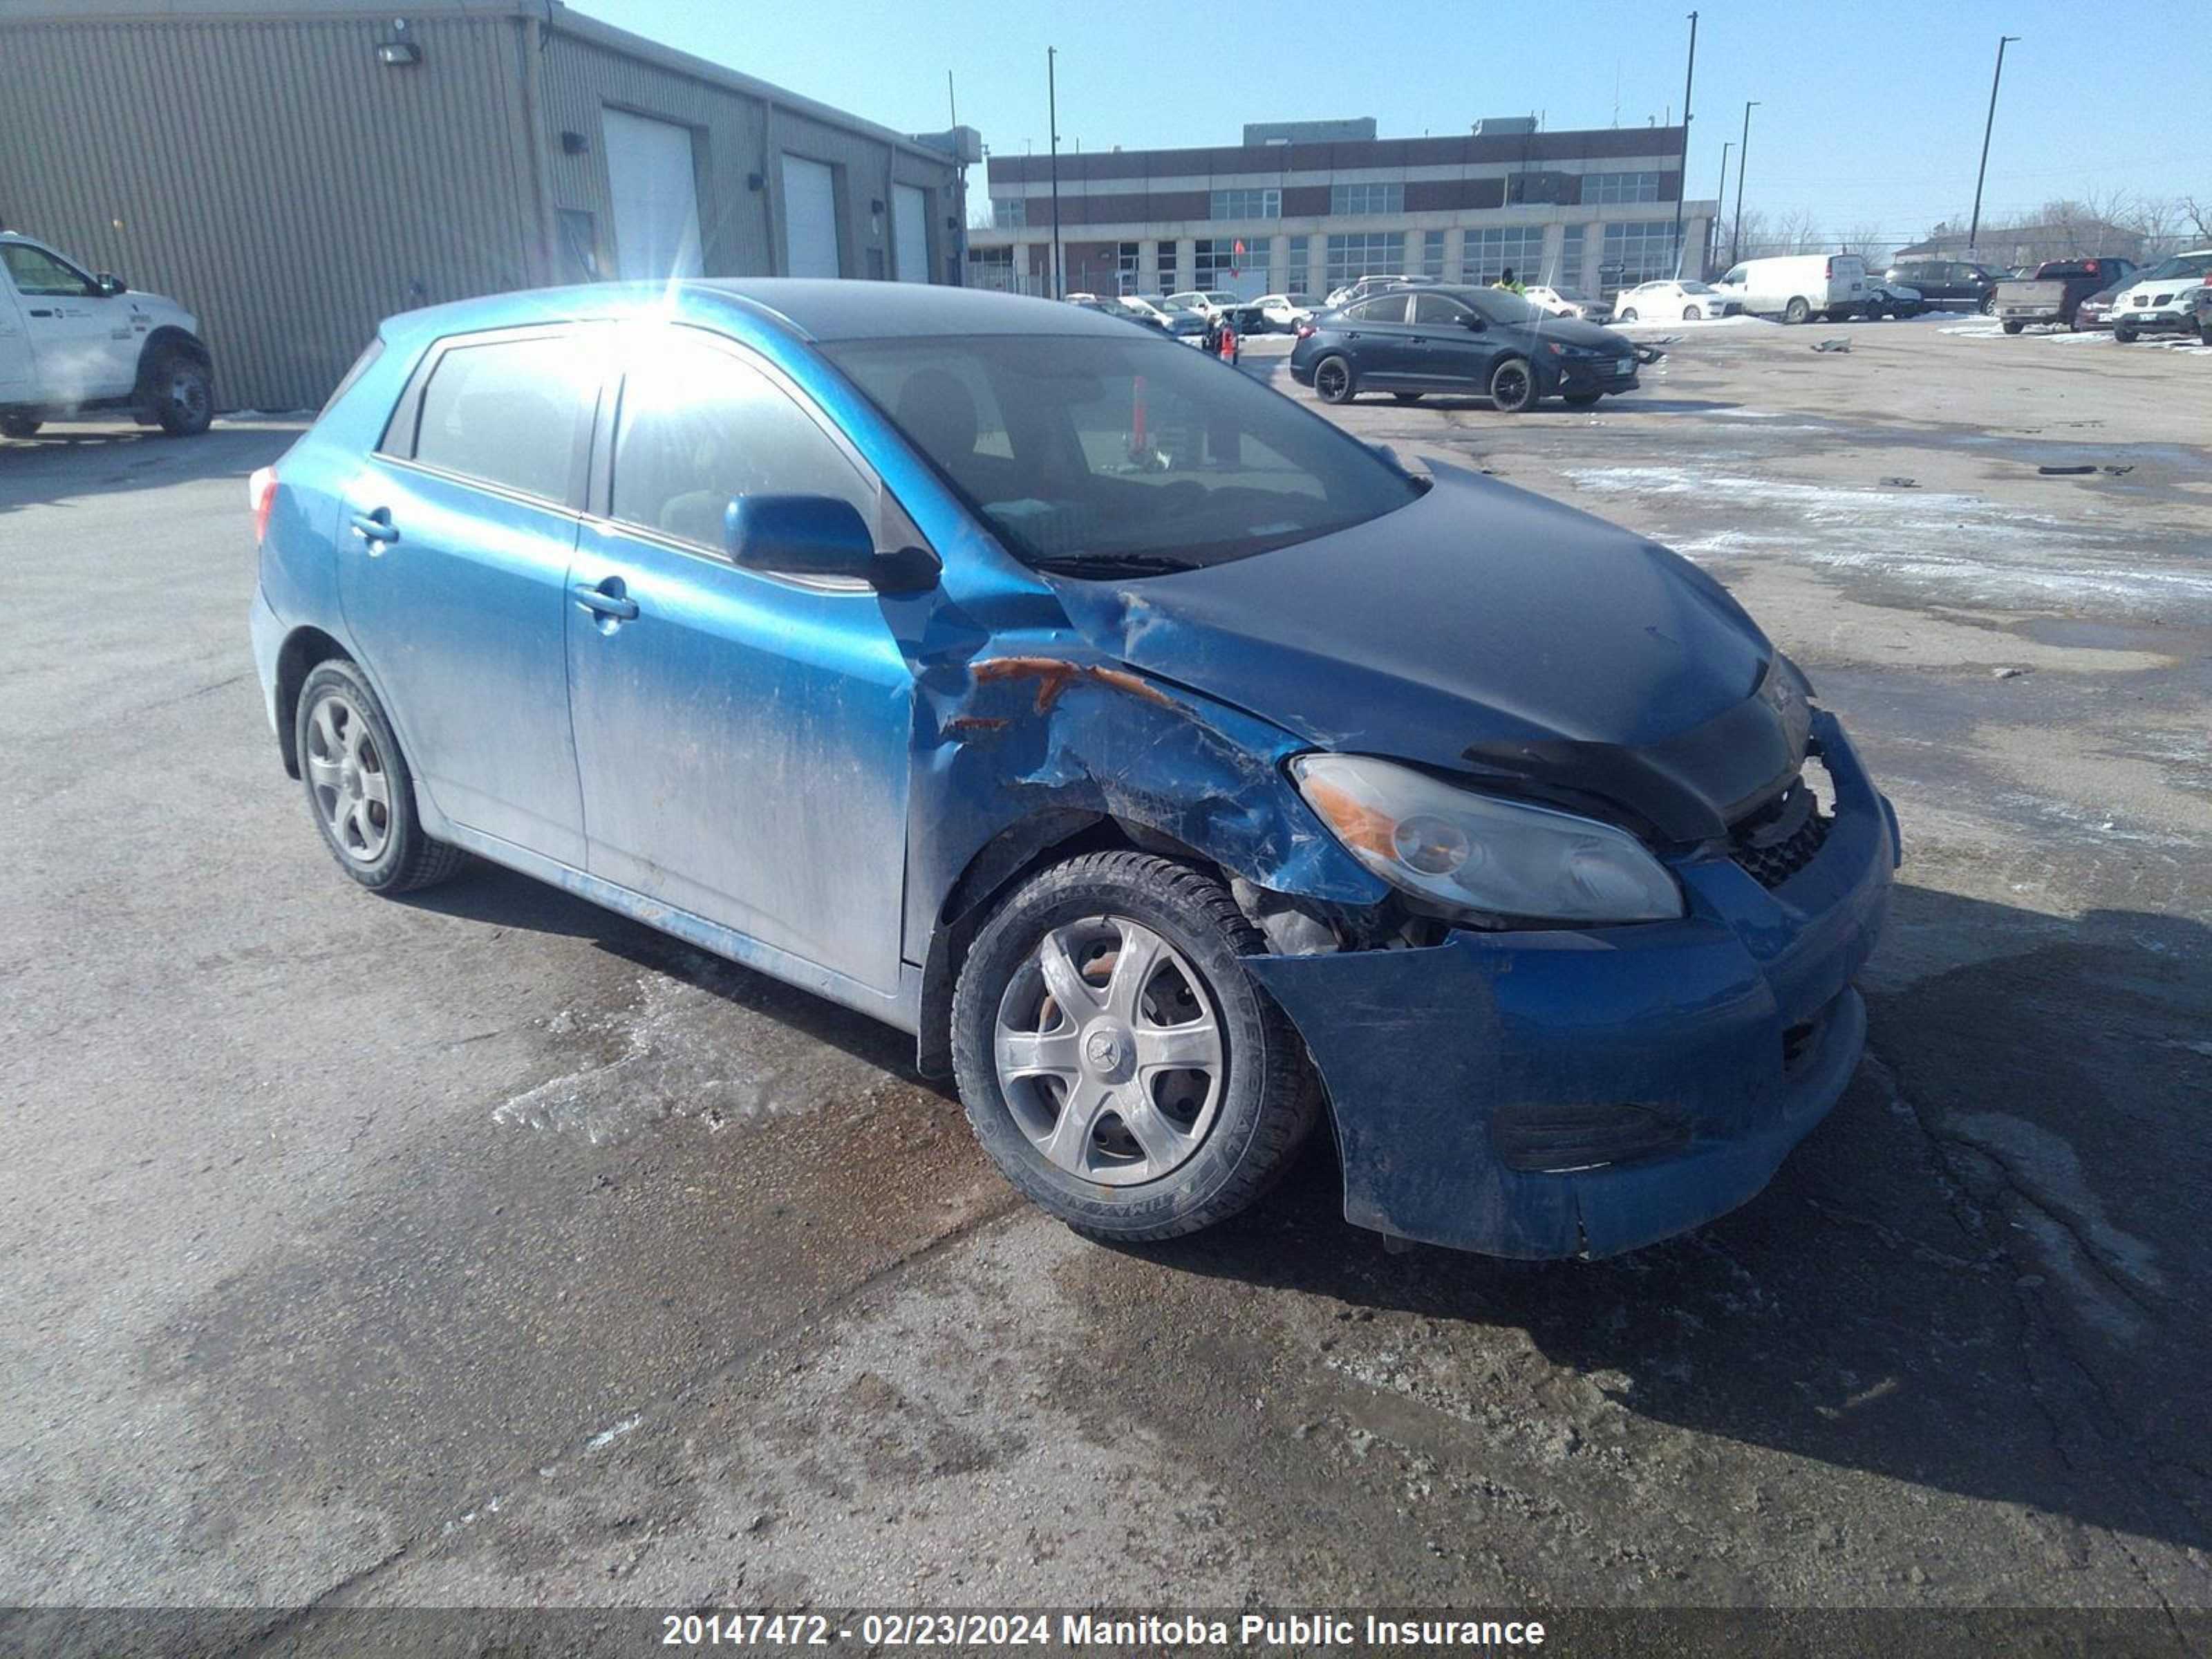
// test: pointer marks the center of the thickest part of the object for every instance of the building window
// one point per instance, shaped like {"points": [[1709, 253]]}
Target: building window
{"points": [[1605, 189], [1010, 213], [1636, 253], [1167, 267], [1488, 252], [1125, 266], [1219, 259], [1367, 198], [991, 268], [1569, 273], [1432, 253], [1536, 187], [1246, 204], [1294, 280], [1365, 254]]}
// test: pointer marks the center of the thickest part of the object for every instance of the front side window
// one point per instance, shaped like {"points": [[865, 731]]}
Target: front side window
{"points": [[698, 427], [1100, 456], [1435, 308], [38, 274], [512, 413]]}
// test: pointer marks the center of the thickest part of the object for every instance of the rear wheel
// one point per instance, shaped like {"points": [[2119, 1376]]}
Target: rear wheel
{"points": [[1627, 316], [1990, 303], [1513, 386], [358, 786], [2014, 328], [19, 426], [1116, 1061], [1332, 381], [1796, 312]]}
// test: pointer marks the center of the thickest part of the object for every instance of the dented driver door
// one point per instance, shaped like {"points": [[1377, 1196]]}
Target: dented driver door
{"points": [[743, 738]]}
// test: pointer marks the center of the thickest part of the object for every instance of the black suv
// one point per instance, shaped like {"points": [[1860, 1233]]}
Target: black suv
{"points": [[1954, 284]]}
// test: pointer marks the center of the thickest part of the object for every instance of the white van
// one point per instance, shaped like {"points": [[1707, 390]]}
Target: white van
{"points": [[1799, 286]]}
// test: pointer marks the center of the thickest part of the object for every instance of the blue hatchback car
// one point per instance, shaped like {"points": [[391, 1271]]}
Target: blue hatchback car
{"points": [[1174, 766]]}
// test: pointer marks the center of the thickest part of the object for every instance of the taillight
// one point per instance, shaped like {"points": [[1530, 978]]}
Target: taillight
{"points": [[261, 495], [1305, 331], [1831, 270]]}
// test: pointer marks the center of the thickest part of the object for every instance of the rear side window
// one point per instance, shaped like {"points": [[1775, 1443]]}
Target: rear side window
{"points": [[699, 428], [509, 412], [1389, 308]]}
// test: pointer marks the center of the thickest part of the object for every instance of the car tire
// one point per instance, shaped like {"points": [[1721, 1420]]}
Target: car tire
{"points": [[1513, 386], [1796, 312], [358, 786], [1690, 314], [1406, 396], [2124, 335], [1581, 399], [1628, 316], [2014, 328], [1214, 1135], [1333, 379], [180, 393], [1990, 303], [19, 426], [2204, 331]]}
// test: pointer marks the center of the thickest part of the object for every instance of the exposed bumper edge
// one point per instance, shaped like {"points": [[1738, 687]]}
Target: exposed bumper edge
{"points": [[268, 636]]}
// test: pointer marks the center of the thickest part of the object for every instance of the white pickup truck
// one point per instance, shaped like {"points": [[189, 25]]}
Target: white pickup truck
{"points": [[73, 344]]}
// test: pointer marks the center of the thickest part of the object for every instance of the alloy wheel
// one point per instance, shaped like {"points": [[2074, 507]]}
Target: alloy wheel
{"points": [[1331, 379], [188, 395], [1109, 1053], [351, 784]]}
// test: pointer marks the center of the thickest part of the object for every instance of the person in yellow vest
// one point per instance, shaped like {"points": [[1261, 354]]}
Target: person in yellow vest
{"points": [[1509, 282]]}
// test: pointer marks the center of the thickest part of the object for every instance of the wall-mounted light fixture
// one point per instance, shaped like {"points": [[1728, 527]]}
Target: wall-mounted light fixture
{"points": [[393, 54], [573, 143], [876, 207]]}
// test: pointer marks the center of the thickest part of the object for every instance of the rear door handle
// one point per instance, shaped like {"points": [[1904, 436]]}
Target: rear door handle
{"points": [[376, 527], [606, 599]]}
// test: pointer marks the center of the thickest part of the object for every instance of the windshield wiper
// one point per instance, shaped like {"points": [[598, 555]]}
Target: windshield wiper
{"points": [[1144, 565]]}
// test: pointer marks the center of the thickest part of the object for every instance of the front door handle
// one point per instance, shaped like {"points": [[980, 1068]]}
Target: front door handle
{"points": [[376, 527], [606, 599]]}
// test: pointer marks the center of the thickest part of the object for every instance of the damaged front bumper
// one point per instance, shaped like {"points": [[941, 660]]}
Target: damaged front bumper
{"points": [[1562, 1093]]}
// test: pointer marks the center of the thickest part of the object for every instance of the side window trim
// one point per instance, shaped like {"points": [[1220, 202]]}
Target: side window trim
{"points": [[402, 431], [599, 497]]}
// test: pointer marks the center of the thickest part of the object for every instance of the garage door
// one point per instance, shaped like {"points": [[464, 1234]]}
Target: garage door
{"points": [[810, 216], [910, 232], [656, 197]]}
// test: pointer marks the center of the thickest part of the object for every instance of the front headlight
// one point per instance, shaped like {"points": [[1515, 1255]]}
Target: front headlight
{"points": [[1467, 852]]}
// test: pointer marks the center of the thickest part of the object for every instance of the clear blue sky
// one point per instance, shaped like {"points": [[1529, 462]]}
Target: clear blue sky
{"points": [[1870, 114]]}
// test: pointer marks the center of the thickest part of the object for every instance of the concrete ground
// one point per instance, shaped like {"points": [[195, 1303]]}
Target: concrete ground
{"points": [[487, 1249]]}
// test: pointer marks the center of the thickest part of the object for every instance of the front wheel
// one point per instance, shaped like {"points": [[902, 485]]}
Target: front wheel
{"points": [[1332, 381], [358, 786], [1796, 312], [19, 426], [1513, 386], [181, 393], [2014, 328], [1690, 314], [1628, 316], [1990, 303], [2124, 335], [1116, 1061]]}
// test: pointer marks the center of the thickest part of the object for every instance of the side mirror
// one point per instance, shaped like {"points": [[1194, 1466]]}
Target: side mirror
{"points": [[111, 285], [1476, 325], [819, 536]]}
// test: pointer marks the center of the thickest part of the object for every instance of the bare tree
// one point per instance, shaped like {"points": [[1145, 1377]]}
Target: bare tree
{"points": [[1868, 242]]}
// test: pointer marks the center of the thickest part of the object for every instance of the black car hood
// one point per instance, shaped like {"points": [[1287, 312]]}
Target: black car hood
{"points": [[1483, 629], [1573, 331]]}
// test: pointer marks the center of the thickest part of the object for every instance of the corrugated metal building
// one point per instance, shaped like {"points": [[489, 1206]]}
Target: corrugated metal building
{"points": [[294, 172]]}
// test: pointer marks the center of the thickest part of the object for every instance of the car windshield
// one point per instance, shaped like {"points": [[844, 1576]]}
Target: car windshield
{"points": [[1503, 306], [1304, 299], [2182, 264], [1099, 456], [1697, 287], [1574, 296]]}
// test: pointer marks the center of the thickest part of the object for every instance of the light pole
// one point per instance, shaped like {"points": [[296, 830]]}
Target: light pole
{"points": [[1974, 230], [1720, 201], [1052, 119], [1735, 238], [1682, 171]]}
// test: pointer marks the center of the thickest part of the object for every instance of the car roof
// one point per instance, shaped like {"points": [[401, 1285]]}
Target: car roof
{"points": [[807, 308]]}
